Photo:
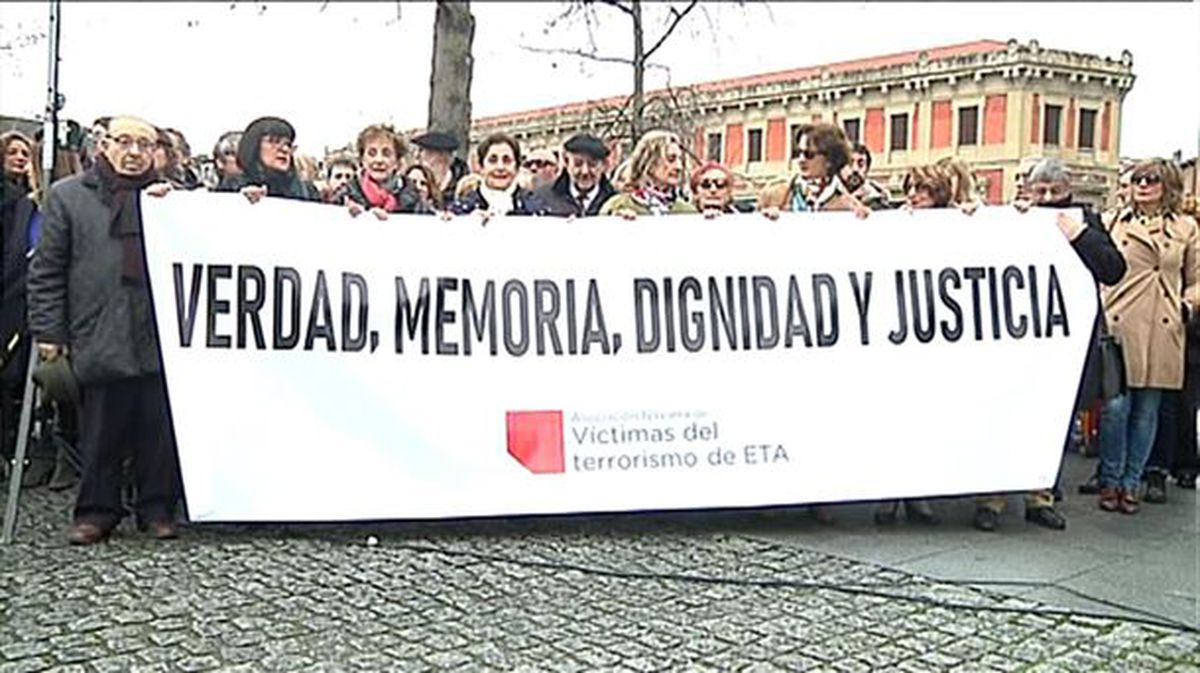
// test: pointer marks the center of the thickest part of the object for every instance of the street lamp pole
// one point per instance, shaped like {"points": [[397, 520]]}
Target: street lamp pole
{"points": [[53, 99]]}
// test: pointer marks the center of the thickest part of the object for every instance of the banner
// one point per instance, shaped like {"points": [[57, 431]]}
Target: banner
{"points": [[323, 367]]}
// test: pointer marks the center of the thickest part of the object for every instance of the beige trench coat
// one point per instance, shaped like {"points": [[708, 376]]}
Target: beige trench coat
{"points": [[1144, 310]]}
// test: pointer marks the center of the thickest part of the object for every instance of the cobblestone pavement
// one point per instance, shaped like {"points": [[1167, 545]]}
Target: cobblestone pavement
{"points": [[566, 594]]}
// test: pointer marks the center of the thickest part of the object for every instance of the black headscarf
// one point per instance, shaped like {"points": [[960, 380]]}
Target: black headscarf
{"points": [[121, 194], [278, 183]]}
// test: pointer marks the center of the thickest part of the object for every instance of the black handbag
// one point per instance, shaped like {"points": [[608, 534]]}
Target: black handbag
{"points": [[1112, 365]]}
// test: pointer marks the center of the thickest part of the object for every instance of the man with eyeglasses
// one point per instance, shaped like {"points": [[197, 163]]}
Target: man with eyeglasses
{"points": [[542, 165], [1048, 185], [581, 187], [89, 302]]}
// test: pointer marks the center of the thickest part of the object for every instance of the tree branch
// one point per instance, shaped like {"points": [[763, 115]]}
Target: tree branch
{"points": [[678, 16], [618, 5], [579, 53]]}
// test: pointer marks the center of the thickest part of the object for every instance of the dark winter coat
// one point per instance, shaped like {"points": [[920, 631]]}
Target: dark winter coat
{"points": [[19, 223], [289, 187], [76, 293], [555, 199], [407, 200], [1101, 256]]}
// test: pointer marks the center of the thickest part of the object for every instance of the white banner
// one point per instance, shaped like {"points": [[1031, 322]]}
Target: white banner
{"points": [[327, 368]]}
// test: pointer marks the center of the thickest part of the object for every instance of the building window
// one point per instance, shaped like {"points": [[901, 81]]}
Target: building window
{"points": [[853, 128], [1052, 120], [899, 132], [754, 141], [968, 125], [1087, 129], [713, 152]]}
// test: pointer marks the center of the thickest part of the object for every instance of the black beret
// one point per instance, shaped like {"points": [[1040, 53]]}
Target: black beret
{"points": [[583, 143], [435, 140]]}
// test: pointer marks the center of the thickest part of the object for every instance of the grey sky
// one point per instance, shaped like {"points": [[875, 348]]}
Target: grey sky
{"points": [[205, 68]]}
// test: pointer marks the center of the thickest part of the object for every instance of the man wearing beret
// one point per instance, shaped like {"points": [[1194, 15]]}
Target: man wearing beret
{"points": [[581, 187], [436, 150]]}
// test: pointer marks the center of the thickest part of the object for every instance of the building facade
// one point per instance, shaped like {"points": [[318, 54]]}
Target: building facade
{"points": [[988, 103]]}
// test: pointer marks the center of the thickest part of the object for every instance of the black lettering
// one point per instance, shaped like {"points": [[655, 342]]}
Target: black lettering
{"points": [[442, 317], [248, 308], [594, 331], [1034, 302], [692, 341], [216, 306], [515, 288], [771, 338], [1056, 308], [975, 274], [862, 301], [898, 335], [722, 313], [545, 313], [186, 313], [994, 302], [950, 276], [1010, 277], [408, 317], [320, 317], [797, 319], [924, 332], [484, 318], [354, 284], [286, 277], [645, 286], [828, 307]]}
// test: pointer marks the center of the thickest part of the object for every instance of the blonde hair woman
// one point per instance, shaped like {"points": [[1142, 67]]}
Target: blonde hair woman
{"points": [[656, 175], [20, 161], [1148, 311]]}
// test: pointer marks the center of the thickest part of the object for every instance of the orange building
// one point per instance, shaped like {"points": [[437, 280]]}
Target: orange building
{"points": [[989, 103]]}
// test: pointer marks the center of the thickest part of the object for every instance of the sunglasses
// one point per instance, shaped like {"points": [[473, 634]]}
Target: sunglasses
{"points": [[1145, 179], [811, 154], [712, 184], [536, 164]]}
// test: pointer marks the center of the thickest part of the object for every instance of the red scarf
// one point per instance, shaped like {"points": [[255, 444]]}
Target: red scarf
{"points": [[377, 196]]}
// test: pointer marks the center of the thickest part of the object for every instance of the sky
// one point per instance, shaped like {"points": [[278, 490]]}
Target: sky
{"points": [[206, 68]]}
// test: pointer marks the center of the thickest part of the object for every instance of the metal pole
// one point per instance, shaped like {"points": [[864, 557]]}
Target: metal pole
{"points": [[50, 124], [18, 468]]}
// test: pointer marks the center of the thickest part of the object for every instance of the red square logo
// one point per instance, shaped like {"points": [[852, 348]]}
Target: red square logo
{"points": [[535, 439]]}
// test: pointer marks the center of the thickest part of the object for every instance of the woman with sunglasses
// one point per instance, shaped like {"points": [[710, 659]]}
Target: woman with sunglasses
{"points": [[1148, 311], [265, 153], [818, 187], [712, 189]]}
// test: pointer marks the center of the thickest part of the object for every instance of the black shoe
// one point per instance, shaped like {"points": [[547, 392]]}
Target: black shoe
{"points": [[1186, 480], [1091, 486], [986, 519], [1156, 487], [919, 511], [1046, 517]]}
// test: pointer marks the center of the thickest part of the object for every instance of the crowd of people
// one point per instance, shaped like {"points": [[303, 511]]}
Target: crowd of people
{"points": [[75, 284]]}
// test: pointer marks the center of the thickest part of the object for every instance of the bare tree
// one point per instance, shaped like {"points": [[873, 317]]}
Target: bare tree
{"points": [[450, 80]]}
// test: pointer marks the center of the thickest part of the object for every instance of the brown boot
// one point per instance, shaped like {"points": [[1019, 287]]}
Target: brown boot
{"points": [[1129, 503], [1110, 499], [87, 532]]}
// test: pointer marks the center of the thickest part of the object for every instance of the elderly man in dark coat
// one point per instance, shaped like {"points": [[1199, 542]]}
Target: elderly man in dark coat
{"points": [[89, 301], [581, 187], [436, 151]]}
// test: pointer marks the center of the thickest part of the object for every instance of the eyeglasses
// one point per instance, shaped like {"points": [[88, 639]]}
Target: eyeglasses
{"points": [[341, 176], [1145, 179], [712, 184], [129, 142], [536, 164], [281, 141]]}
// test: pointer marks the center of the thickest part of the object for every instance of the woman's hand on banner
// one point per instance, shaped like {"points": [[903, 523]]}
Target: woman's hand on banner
{"points": [[711, 213], [445, 215], [771, 213], [254, 193], [159, 189], [484, 216], [626, 214], [1022, 205], [355, 207], [968, 208], [379, 213]]}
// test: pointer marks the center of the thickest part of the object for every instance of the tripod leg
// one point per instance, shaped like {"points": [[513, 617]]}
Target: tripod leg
{"points": [[14, 479]]}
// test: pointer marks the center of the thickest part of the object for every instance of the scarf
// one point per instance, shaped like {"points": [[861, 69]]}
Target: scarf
{"points": [[377, 197], [657, 201], [120, 194], [813, 196], [499, 201]]}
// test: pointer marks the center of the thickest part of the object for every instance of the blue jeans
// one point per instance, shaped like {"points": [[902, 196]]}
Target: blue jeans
{"points": [[1127, 428]]}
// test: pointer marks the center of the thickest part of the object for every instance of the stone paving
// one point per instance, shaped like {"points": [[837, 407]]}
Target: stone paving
{"points": [[616, 593]]}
